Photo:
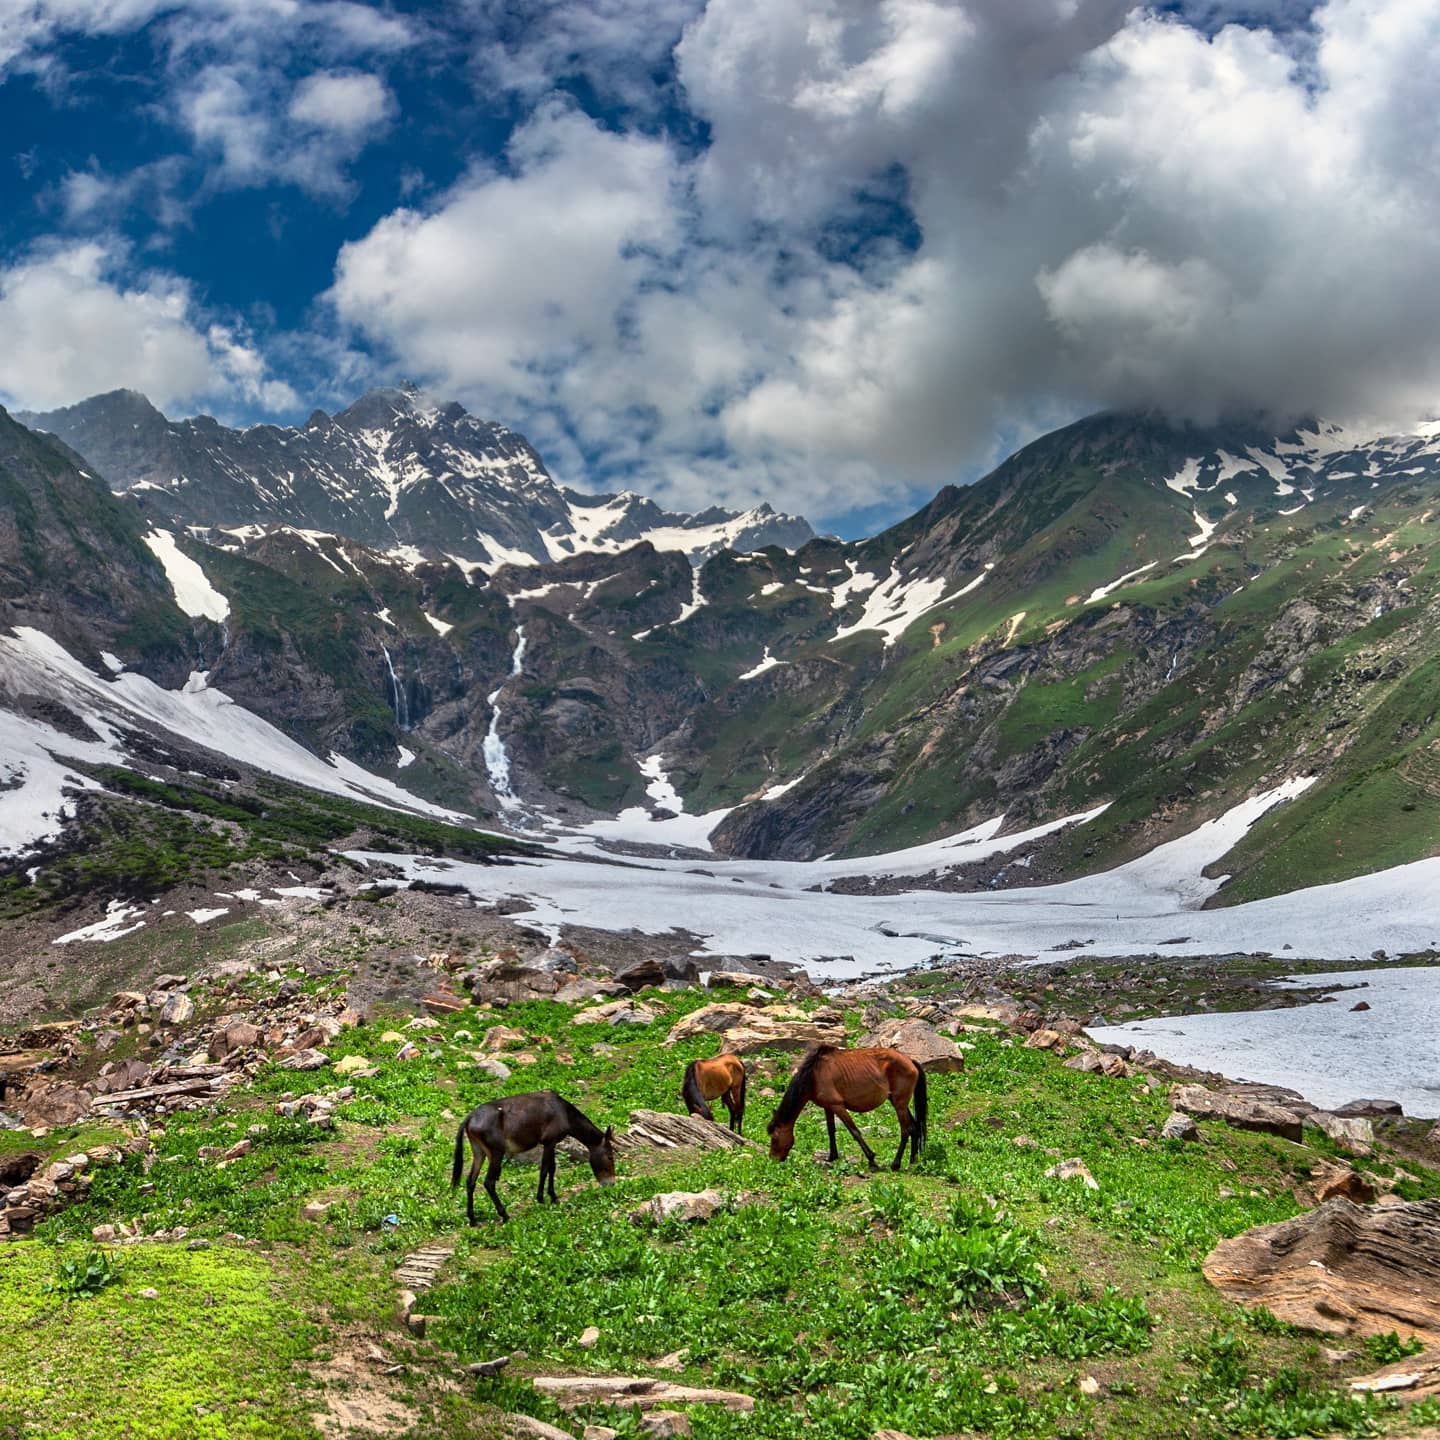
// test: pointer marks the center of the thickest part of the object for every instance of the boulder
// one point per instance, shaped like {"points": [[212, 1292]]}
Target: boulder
{"points": [[615, 1012], [665, 1424], [306, 1060], [54, 1105], [688, 1205], [1340, 1269], [527, 1427], [581, 988], [1369, 1109], [501, 1037], [240, 1035], [554, 961], [1240, 1111], [488, 1065], [1352, 1133], [640, 974], [765, 1032], [1073, 1170], [1339, 1181], [710, 1020], [355, 1065], [498, 984], [1179, 1127], [1045, 1040], [920, 1042], [177, 1009]]}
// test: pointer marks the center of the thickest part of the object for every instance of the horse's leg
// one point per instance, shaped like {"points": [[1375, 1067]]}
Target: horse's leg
{"points": [[492, 1174], [902, 1114], [470, 1182], [834, 1154], [731, 1107], [854, 1129]]}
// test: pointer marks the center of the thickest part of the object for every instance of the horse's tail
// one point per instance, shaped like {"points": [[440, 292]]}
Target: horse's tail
{"points": [[690, 1093], [920, 1131], [459, 1155]]}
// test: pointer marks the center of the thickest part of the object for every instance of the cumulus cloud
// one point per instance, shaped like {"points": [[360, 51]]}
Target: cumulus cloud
{"points": [[75, 325]]}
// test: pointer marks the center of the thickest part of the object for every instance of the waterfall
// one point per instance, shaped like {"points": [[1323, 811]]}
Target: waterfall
{"points": [[399, 701], [497, 758]]}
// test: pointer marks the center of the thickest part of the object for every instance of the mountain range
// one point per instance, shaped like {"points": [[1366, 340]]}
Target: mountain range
{"points": [[1155, 618]]}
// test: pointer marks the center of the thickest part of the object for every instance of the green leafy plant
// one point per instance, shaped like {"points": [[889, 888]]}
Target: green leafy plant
{"points": [[85, 1278]]}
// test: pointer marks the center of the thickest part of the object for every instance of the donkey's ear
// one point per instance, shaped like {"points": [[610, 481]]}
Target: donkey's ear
{"points": [[610, 1135]]}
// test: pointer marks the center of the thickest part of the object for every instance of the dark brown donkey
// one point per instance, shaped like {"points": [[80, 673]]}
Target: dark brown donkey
{"points": [[722, 1078], [519, 1123], [840, 1081]]}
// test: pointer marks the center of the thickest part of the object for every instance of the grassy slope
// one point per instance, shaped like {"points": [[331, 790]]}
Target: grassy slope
{"points": [[967, 1295]]}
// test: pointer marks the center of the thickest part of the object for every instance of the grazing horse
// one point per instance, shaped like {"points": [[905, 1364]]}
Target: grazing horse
{"points": [[722, 1078], [840, 1081], [519, 1123]]}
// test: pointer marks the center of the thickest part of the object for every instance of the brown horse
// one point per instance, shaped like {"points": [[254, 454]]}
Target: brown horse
{"points": [[519, 1123], [722, 1078], [840, 1081]]}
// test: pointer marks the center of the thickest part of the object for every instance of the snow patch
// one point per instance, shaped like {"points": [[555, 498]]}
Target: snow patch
{"points": [[194, 594]]}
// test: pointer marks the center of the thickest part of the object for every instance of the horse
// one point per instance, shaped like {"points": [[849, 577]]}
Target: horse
{"points": [[721, 1078], [518, 1123], [840, 1081]]}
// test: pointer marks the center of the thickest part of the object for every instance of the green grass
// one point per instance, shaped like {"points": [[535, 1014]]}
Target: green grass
{"points": [[966, 1294]]}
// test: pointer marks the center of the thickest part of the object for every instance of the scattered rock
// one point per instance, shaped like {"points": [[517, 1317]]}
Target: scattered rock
{"points": [[663, 1130], [589, 1337], [527, 1427], [241, 1035], [501, 1037], [920, 1042], [1339, 1181], [1241, 1111], [664, 1424], [495, 1069], [697, 1205], [149, 1293], [1073, 1169], [316, 1210], [1341, 1269], [599, 1432], [1179, 1126], [305, 1060], [1352, 1133], [641, 974], [356, 1065], [637, 1392], [177, 1009], [1089, 1385]]}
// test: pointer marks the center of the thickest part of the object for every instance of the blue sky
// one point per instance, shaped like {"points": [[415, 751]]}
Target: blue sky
{"points": [[832, 254]]}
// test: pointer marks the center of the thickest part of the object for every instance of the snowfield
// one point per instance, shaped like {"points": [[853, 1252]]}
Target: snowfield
{"points": [[782, 908]]}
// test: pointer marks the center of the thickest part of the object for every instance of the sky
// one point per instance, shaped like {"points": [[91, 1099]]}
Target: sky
{"points": [[832, 254]]}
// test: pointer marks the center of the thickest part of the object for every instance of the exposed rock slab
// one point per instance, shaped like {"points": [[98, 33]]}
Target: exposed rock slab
{"points": [[1341, 1269], [920, 1042], [1241, 1111]]}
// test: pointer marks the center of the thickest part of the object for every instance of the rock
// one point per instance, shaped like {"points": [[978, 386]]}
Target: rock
{"points": [[497, 984], [355, 1065], [488, 1065], [405, 1302], [502, 1037], [918, 1041], [442, 1002], [589, 1337], [1352, 1133], [394, 1037], [1340, 1181], [634, 1014], [316, 1209], [1074, 1169], [615, 1012], [599, 1432], [103, 1234], [1340, 1269], [408, 1051], [306, 1060], [663, 1424], [527, 1427], [765, 1032], [488, 1369], [177, 1009], [641, 974], [1179, 1127], [576, 991], [237, 1150], [1238, 1110], [554, 961], [689, 1205], [238, 1036], [891, 1435], [1089, 1385], [710, 1020], [1369, 1109], [1045, 1040], [53, 1105], [149, 1293]]}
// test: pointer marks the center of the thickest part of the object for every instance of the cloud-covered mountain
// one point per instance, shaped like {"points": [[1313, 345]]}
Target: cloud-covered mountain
{"points": [[396, 471]]}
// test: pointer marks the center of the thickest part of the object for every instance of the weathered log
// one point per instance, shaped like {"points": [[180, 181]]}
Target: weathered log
{"points": [[639, 1393], [654, 1129], [157, 1092]]}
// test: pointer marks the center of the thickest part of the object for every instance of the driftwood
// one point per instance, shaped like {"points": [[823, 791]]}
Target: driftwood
{"points": [[201, 1086], [654, 1129], [642, 1393], [1343, 1269]]}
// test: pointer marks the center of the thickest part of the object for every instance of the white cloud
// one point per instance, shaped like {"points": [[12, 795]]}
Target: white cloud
{"points": [[74, 327], [348, 105]]}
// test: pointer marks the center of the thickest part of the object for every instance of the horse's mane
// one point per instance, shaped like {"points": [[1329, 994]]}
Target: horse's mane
{"points": [[792, 1102], [582, 1126]]}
